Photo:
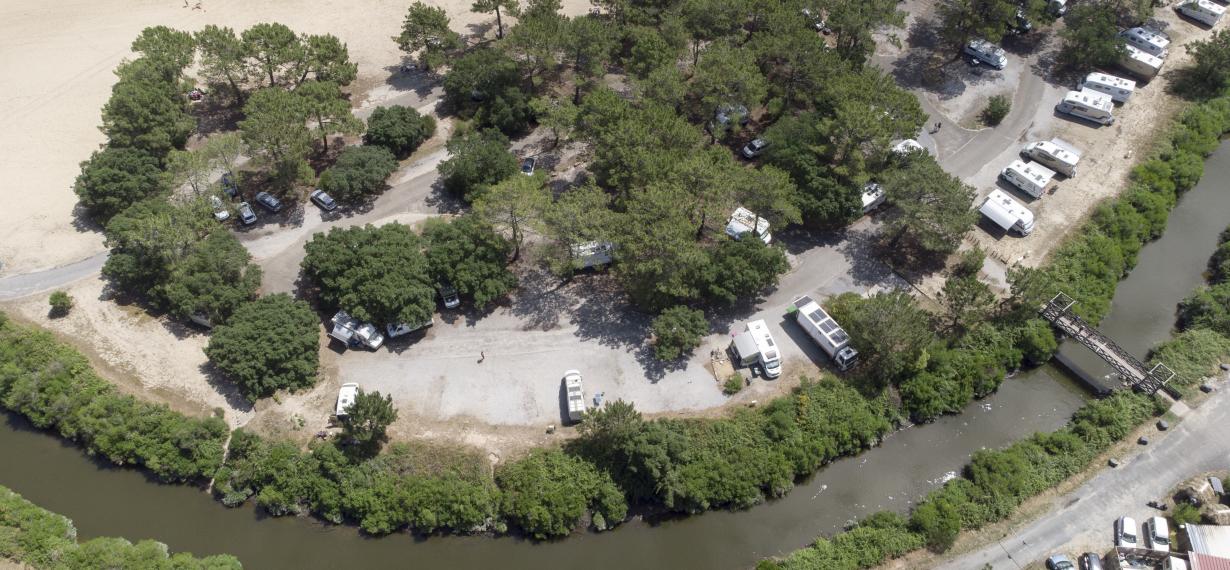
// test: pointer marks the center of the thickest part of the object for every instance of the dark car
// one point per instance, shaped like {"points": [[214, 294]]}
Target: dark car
{"points": [[229, 186], [1090, 561], [325, 201], [1059, 562], [527, 166], [267, 201], [1020, 24], [246, 215]]}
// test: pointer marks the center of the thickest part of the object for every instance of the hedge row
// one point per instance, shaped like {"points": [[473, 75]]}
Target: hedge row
{"points": [[55, 387], [41, 539]]}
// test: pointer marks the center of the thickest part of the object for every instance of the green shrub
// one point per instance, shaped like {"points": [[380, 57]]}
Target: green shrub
{"points": [[677, 331], [733, 384], [1185, 513], [997, 108], [359, 173], [546, 493], [269, 344], [399, 129], [1192, 355], [61, 303]]}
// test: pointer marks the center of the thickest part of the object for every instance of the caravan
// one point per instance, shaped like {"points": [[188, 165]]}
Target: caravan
{"points": [[1030, 177], [1148, 41], [1142, 64], [1052, 156], [873, 197], [987, 53], [1088, 104], [743, 221], [756, 346], [1203, 11], [1119, 89], [1007, 213]]}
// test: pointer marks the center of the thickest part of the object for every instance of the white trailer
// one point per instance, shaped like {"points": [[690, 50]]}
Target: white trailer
{"points": [[1007, 213], [1119, 89], [576, 395], [1203, 11], [743, 220], [1147, 40], [1140, 63], [400, 329], [873, 197], [345, 398], [987, 53], [1032, 178], [1052, 156], [353, 333], [593, 254], [1091, 105], [755, 345], [832, 339]]}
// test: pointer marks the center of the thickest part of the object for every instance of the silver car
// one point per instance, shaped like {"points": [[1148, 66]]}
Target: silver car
{"points": [[246, 215]]}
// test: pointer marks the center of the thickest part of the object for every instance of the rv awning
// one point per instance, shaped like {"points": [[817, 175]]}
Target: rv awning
{"points": [[998, 214], [745, 345]]}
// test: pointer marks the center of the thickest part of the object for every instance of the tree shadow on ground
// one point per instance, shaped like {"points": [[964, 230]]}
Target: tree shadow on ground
{"points": [[216, 113], [225, 388], [864, 250], [82, 222], [443, 201], [542, 298], [402, 78]]}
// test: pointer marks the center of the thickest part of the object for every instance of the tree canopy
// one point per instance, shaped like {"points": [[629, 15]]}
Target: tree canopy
{"points": [[476, 161], [468, 253], [113, 179], [359, 173], [399, 129], [269, 344], [426, 30]]}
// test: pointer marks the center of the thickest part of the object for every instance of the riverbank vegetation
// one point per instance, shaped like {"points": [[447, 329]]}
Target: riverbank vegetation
{"points": [[42, 540]]}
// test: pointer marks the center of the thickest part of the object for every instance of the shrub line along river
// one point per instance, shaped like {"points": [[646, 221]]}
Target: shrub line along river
{"points": [[105, 501]]}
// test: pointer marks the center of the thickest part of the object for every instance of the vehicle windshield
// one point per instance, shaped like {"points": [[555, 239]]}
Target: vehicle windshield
{"points": [[1161, 540], [1129, 537]]}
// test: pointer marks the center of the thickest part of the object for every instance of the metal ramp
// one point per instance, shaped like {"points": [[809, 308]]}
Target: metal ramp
{"points": [[1134, 372]]}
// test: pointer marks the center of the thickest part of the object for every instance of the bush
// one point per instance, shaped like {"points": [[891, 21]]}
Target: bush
{"points": [[61, 303], [476, 161], [546, 493], [1185, 513], [114, 179], [399, 129], [1192, 355], [359, 173], [269, 344], [54, 387], [677, 331], [733, 384], [997, 108]]}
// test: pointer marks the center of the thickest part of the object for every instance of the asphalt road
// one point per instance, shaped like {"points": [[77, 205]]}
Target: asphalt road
{"points": [[1081, 521], [17, 286]]}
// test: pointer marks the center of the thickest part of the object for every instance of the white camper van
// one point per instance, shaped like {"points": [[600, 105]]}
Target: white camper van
{"points": [[1032, 178], [743, 220], [1119, 89], [576, 395], [873, 197], [1142, 64], [1053, 156], [1007, 213], [1148, 41], [1203, 11], [826, 332], [593, 254], [987, 53], [755, 345], [1086, 104]]}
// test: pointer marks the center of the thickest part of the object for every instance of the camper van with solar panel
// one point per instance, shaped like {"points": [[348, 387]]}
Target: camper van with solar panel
{"points": [[826, 332]]}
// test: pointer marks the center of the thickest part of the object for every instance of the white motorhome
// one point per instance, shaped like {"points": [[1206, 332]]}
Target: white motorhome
{"points": [[907, 146], [826, 332], [399, 329], [755, 345], [593, 254], [576, 395], [345, 398], [1119, 89], [987, 53], [1053, 156], [1142, 64], [1203, 11], [873, 197], [1007, 213], [1032, 178], [1146, 40], [742, 220], [353, 333], [1086, 104]]}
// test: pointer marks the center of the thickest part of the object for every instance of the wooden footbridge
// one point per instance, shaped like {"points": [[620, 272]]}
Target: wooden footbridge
{"points": [[1135, 374]]}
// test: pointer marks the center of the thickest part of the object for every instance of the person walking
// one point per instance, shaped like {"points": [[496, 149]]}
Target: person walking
{"points": [[482, 355]]}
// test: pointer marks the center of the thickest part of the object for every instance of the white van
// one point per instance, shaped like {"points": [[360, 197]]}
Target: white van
{"points": [[1148, 41], [1142, 64], [593, 254], [873, 197], [755, 345], [1087, 104], [987, 53], [1119, 89], [1030, 177], [1052, 156], [1007, 213], [1203, 11], [1157, 534], [743, 221], [1125, 532]]}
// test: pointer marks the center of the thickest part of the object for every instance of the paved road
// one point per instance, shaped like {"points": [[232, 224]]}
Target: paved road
{"points": [[1081, 521], [17, 286]]}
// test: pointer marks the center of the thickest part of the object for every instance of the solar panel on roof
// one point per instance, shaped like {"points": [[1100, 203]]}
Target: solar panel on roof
{"points": [[828, 326], [839, 337]]}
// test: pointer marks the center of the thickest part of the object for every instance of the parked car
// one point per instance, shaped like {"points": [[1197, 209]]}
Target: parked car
{"points": [[448, 294], [228, 185], [322, 199], [1090, 561], [400, 329], [1125, 532], [1020, 24], [527, 166], [1157, 534], [246, 215], [220, 212], [754, 149], [269, 202], [1059, 562]]}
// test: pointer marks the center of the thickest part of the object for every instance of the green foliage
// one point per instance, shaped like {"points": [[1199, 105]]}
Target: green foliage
{"points": [[147, 110], [43, 539], [169, 50], [425, 30], [677, 331], [399, 129], [1209, 73], [967, 299], [739, 270], [267, 345], [489, 6], [1091, 36], [359, 173], [61, 303], [277, 57], [997, 108], [726, 75], [149, 239], [376, 274], [467, 253], [547, 493], [890, 331], [514, 205], [212, 281], [633, 146], [1208, 307], [54, 387], [328, 109], [962, 20], [1184, 514], [733, 384], [1037, 341], [367, 419], [485, 84], [577, 217], [115, 178], [1192, 354], [275, 129], [933, 209], [867, 544], [476, 161]]}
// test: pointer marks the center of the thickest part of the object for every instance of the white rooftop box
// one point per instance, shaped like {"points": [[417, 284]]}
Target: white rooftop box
{"points": [[742, 220]]}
